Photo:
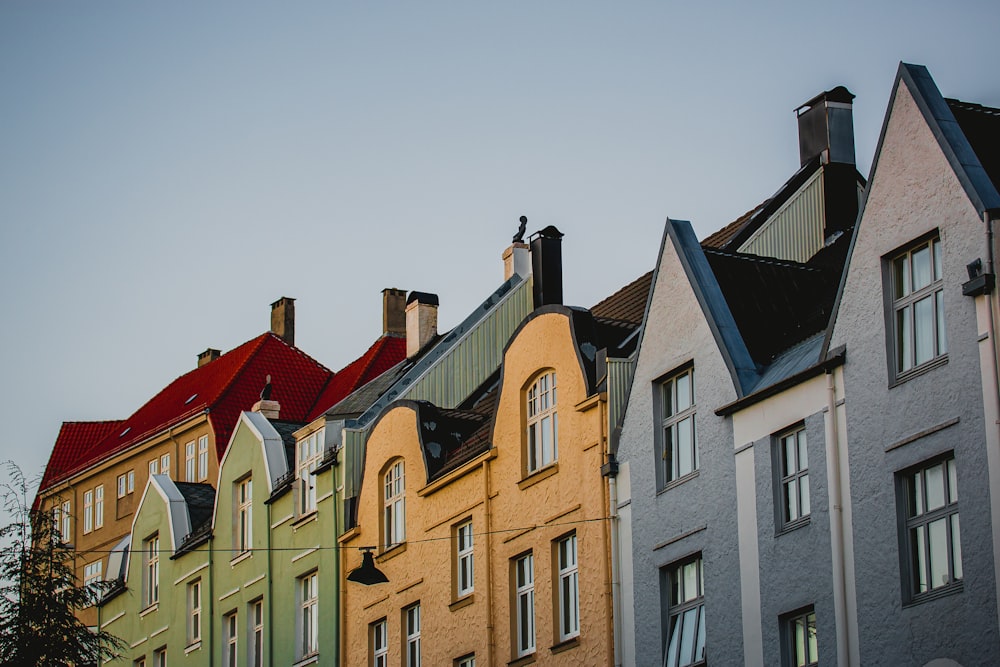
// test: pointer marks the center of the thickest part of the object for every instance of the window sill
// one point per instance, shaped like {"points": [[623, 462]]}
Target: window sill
{"points": [[303, 519], [677, 482], [793, 525], [917, 371], [149, 610], [944, 591], [311, 659], [566, 645], [523, 660], [391, 552], [462, 602], [192, 647], [538, 475], [241, 557]]}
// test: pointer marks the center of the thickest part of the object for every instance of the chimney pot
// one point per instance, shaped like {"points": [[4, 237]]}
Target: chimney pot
{"points": [[421, 321], [283, 319], [546, 266], [826, 123], [394, 311], [516, 259], [208, 356]]}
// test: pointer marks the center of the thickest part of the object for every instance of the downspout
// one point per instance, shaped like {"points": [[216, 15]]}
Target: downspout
{"points": [[994, 351], [488, 532], [836, 520], [211, 600], [270, 590], [612, 488], [341, 582]]}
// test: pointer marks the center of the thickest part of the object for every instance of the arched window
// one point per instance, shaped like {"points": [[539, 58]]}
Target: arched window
{"points": [[394, 517], [543, 422]]}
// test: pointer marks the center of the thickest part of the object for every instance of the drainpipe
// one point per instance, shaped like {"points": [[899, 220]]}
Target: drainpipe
{"points": [[211, 600], [270, 590], [994, 351], [488, 533], [616, 599], [836, 520]]}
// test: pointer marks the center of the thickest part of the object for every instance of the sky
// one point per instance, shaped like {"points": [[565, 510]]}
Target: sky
{"points": [[167, 170]]}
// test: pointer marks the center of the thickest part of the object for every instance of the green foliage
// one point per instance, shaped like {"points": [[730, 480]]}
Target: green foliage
{"points": [[39, 591]]}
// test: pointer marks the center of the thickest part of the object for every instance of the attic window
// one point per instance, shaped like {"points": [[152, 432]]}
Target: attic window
{"points": [[191, 398], [122, 434]]}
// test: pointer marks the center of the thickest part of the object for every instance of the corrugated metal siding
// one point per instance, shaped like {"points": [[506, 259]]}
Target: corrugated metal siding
{"points": [[795, 231], [354, 447], [475, 356], [619, 378]]}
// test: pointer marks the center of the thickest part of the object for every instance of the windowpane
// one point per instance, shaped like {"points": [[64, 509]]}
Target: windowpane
{"points": [[938, 541], [683, 392], [901, 276], [934, 478], [804, 492], [921, 268], [923, 329], [792, 500], [920, 569], [905, 353], [956, 546], [942, 341]]}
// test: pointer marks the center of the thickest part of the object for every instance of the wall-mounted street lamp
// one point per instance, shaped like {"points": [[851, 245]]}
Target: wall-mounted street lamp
{"points": [[367, 573]]}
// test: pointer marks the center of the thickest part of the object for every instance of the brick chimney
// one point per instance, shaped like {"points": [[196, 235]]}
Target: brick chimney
{"points": [[421, 321], [208, 356], [516, 259], [394, 311], [283, 319]]}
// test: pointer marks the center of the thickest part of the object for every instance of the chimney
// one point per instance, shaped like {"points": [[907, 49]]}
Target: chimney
{"points": [[394, 311], [516, 259], [826, 124], [265, 406], [421, 321], [208, 356], [546, 266], [283, 319]]}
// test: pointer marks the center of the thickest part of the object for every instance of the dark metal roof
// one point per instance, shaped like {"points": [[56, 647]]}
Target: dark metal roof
{"points": [[981, 126], [200, 501]]}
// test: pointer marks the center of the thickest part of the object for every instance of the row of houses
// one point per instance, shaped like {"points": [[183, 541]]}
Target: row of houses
{"points": [[751, 454]]}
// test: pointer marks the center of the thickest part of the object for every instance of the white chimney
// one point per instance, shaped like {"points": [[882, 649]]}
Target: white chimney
{"points": [[421, 321]]}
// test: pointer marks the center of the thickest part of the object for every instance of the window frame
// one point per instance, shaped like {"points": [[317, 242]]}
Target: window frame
{"points": [[165, 464], [65, 516], [411, 637], [98, 506], [464, 559], [154, 467], [190, 465], [307, 642], [194, 590], [468, 660], [798, 479], [378, 641], [203, 458], [243, 527], [160, 657], [88, 511], [151, 570], [898, 337], [230, 639], [669, 415], [911, 560], [541, 422], [678, 605], [393, 504], [523, 604], [255, 633], [93, 572], [790, 623], [308, 454], [567, 571]]}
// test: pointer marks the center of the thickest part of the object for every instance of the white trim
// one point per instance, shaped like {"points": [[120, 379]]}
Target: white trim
{"points": [[253, 581], [282, 520], [190, 574], [112, 619], [305, 553], [229, 594], [749, 555], [328, 494], [138, 643], [159, 632]]}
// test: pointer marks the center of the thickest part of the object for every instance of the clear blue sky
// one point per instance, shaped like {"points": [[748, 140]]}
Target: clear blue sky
{"points": [[169, 169]]}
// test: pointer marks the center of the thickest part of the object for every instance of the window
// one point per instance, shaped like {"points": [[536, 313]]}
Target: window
{"points": [[917, 306], [568, 588], [466, 661], [88, 511], [99, 507], [229, 630], [244, 515], [139, 662], [394, 518], [411, 617], [380, 643], [308, 614], [121, 486], [685, 642], [524, 605], [194, 611], [799, 639], [154, 467], [679, 446], [256, 649], [464, 564], [203, 458], [60, 518], [92, 573], [189, 462], [160, 657], [932, 539], [130, 480], [308, 456], [151, 563], [543, 423], [792, 459], [165, 465]]}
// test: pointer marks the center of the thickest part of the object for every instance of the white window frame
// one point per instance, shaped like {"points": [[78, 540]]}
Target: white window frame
{"points": [[308, 454], [678, 436], [379, 638], [151, 570], [524, 605], [542, 443], [160, 657], [466, 661], [244, 515], [93, 573], [165, 465], [194, 612], [930, 530], [308, 616], [685, 600], [914, 284], [465, 572], [121, 486], [255, 648], [64, 517], [801, 647], [792, 466], [230, 640], [190, 469], [568, 588], [98, 506], [154, 467], [203, 458], [88, 511], [394, 505], [130, 479], [411, 625]]}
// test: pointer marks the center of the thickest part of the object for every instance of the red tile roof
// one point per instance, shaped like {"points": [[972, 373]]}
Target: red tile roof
{"points": [[627, 304], [722, 237], [224, 387], [385, 353]]}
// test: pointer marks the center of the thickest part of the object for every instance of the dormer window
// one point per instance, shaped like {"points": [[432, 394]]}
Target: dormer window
{"points": [[308, 454], [394, 515], [543, 424]]}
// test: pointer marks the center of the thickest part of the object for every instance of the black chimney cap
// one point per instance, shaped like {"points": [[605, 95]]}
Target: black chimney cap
{"points": [[549, 232], [838, 94], [423, 297]]}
